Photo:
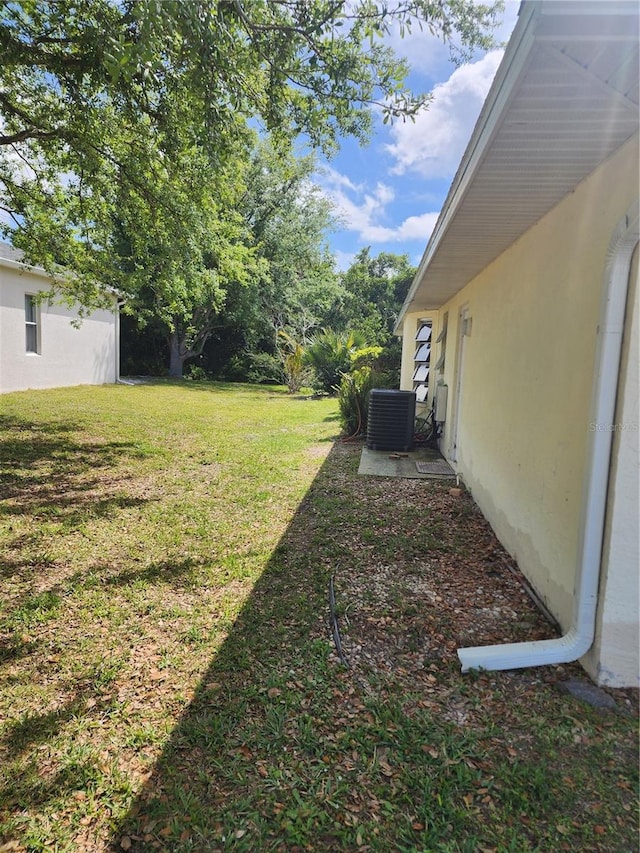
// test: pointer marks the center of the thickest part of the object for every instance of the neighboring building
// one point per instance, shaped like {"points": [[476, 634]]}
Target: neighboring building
{"points": [[39, 345], [530, 286]]}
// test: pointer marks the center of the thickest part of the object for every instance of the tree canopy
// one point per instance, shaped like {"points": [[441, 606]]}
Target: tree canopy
{"points": [[293, 283], [125, 127], [375, 288]]}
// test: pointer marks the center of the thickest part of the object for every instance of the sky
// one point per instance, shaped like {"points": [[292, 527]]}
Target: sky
{"points": [[389, 193]]}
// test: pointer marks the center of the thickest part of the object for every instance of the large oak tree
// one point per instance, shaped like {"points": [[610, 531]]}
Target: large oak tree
{"points": [[124, 127]]}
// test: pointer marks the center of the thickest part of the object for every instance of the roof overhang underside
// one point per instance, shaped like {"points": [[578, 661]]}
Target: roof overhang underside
{"points": [[563, 100]]}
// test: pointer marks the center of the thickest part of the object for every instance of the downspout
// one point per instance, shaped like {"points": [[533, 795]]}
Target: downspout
{"points": [[579, 639], [119, 304]]}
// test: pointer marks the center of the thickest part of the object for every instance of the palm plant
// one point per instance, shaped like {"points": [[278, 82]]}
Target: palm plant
{"points": [[329, 355], [292, 357]]}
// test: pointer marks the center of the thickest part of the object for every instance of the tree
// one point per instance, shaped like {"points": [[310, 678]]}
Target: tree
{"points": [[289, 220], [179, 272], [294, 367], [103, 104], [374, 290]]}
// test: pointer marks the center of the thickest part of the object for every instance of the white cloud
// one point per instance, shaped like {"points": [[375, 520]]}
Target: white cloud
{"points": [[433, 145], [360, 211], [343, 259], [418, 227], [336, 179], [364, 211]]}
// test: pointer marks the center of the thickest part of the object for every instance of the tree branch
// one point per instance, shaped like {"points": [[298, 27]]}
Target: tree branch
{"points": [[285, 28], [21, 135], [34, 132]]}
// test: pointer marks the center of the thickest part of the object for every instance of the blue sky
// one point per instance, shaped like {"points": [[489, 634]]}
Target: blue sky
{"points": [[388, 194]]}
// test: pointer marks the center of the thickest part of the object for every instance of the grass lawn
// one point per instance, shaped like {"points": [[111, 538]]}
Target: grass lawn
{"points": [[168, 679]]}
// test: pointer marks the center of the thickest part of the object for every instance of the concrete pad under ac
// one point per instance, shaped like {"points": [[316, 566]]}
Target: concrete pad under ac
{"points": [[387, 463]]}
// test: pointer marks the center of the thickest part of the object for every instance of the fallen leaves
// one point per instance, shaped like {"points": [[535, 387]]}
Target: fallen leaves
{"points": [[430, 750], [283, 749]]}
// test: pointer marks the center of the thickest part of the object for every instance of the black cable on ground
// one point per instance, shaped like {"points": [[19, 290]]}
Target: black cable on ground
{"points": [[333, 618], [533, 595]]}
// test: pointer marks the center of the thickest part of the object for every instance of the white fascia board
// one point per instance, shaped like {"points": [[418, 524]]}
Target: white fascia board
{"points": [[22, 267], [589, 7]]}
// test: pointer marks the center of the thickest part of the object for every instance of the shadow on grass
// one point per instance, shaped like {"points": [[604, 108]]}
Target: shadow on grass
{"points": [[36, 456], [177, 573], [49, 472], [14, 649], [209, 386], [280, 749], [34, 786], [39, 728], [222, 767], [220, 387], [37, 790], [240, 717]]}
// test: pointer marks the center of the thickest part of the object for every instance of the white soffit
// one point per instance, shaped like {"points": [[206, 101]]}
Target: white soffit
{"points": [[564, 99]]}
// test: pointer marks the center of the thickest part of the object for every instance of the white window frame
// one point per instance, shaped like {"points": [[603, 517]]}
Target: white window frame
{"points": [[32, 324]]}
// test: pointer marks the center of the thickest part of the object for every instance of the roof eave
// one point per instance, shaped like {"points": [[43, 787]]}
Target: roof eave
{"points": [[21, 266], [513, 63], [500, 171]]}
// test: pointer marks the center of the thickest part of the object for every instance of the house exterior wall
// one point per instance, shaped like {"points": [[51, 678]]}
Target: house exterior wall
{"points": [[87, 355], [523, 408]]}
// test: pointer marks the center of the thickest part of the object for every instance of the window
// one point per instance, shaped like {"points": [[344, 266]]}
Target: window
{"points": [[421, 373], [423, 353], [422, 360], [31, 322]]}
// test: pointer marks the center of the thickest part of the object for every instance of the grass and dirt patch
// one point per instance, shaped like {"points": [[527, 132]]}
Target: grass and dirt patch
{"points": [[167, 675]]}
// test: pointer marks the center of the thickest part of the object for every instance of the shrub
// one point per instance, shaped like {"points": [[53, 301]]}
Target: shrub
{"points": [[195, 372], [366, 357], [353, 399], [263, 368]]}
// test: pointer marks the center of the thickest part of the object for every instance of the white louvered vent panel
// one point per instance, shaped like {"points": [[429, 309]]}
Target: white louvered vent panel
{"points": [[422, 361]]}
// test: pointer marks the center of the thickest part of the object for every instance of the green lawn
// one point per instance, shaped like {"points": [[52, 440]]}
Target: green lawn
{"points": [[167, 675]]}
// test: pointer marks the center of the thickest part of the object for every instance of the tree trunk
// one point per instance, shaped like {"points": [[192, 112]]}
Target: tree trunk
{"points": [[176, 355]]}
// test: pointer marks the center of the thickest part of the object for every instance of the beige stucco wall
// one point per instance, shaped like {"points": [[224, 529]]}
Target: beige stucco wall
{"points": [[87, 355], [528, 363]]}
